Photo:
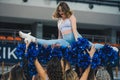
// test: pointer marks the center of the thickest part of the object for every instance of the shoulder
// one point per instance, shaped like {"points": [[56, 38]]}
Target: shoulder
{"points": [[72, 18]]}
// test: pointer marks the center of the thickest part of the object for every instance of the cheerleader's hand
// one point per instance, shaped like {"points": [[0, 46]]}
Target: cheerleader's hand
{"points": [[27, 44], [92, 51], [76, 38]]}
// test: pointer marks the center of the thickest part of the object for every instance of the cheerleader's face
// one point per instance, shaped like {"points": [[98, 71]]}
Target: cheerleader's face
{"points": [[61, 12]]}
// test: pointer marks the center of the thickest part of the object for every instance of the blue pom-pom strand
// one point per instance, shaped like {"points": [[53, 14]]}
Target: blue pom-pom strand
{"points": [[20, 51], [83, 60]]}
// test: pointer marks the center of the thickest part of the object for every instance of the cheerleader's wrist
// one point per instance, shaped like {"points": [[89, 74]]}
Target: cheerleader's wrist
{"points": [[90, 59], [91, 56]]}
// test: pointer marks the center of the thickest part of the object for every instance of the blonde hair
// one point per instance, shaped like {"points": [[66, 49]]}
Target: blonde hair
{"points": [[65, 9], [102, 74], [70, 75]]}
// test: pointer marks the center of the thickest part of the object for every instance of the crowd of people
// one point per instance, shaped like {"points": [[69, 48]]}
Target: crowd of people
{"points": [[56, 69]]}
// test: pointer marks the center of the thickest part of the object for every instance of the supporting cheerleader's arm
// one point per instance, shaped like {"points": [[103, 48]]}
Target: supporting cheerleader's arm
{"points": [[92, 51], [40, 70], [86, 72]]}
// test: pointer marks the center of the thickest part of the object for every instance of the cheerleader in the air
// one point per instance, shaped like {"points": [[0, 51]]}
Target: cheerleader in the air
{"points": [[67, 29]]}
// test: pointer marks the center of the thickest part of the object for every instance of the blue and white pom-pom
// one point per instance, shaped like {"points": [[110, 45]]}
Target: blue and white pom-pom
{"points": [[108, 56], [77, 54]]}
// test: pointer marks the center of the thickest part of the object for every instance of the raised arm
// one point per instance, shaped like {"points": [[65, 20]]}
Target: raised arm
{"points": [[86, 72], [74, 26], [40, 70]]}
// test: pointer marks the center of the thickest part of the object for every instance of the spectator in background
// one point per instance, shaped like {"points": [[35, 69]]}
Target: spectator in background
{"points": [[16, 73], [5, 76]]}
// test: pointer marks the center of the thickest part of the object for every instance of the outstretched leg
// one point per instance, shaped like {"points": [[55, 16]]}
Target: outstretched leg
{"points": [[98, 45], [28, 38]]}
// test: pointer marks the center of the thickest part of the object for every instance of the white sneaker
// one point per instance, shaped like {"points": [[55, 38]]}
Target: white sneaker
{"points": [[24, 35], [28, 38]]}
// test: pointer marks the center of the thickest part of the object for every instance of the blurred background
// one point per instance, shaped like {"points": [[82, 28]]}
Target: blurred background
{"points": [[97, 20]]}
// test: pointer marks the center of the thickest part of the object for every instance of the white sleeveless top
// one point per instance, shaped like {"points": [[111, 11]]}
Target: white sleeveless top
{"points": [[64, 25]]}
